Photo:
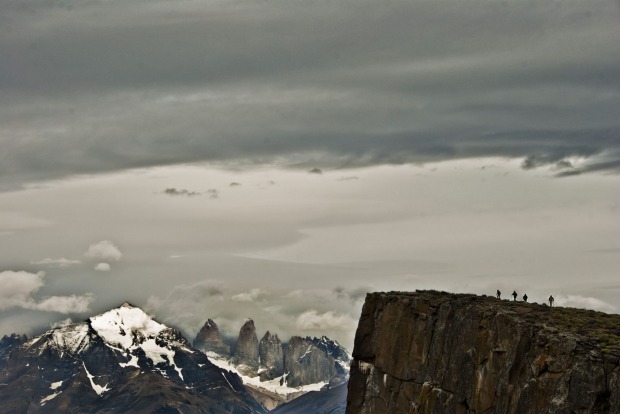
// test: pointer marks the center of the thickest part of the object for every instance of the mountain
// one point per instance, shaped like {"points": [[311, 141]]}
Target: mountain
{"points": [[327, 401], [245, 357], [433, 352], [276, 373], [271, 357], [209, 339], [119, 361], [312, 360]]}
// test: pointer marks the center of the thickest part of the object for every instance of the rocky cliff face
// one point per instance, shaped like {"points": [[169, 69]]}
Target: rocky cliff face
{"points": [[432, 353], [306, 363], [209, 339], [246, 354], [271, 357]]}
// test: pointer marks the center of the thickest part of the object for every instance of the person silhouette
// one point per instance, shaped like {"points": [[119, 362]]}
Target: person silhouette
{"points": [[525, 298], [499, 294], [514, 295], [551, 300]]}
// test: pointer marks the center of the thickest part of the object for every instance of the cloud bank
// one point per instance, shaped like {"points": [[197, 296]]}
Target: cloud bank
{"points": [[19, 288], [60, 262], [306, 84]]}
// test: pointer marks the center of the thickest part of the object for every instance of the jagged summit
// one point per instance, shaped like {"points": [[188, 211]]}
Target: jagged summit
{"points": [[119, 361], [125, 326], [209, 340], [246, 354]]}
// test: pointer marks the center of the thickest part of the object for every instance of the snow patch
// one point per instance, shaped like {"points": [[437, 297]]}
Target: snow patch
{"points": [[55, 385], [160, 355], [305, 353], [273, 385], [67, 339], [97, 388], [50, 397], [133, 362], [233, 388]]}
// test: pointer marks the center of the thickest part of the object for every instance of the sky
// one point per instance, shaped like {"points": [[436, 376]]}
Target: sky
{"points": [[280, 159]]}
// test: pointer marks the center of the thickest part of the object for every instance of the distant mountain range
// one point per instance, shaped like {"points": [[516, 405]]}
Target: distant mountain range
{"points": [[124, 361], [277, 372]]}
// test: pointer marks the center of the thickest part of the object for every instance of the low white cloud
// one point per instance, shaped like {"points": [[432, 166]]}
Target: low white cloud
{"points": [[60, 262], [251, 296], [103, 267], [313, 320], [60, 324], [19, 287], [65, 304], [104, 249], [577, 301]]}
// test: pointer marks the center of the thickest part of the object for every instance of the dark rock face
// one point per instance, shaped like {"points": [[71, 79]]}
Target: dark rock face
{"points": [[246, 354], [271, 357], [432, 353], [305, 363], [120, 361], [209, 339]]}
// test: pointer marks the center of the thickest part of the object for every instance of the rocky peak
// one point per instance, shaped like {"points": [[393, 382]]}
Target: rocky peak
{"points": [[271, 357], [306, 363], [337, 351], [209, 339], [435, 352], [246, 353]]}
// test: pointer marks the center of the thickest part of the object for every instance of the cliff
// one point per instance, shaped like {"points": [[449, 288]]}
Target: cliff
{"points": [[271, 357], [306, 363], [246, 354], [209, 339], [433, 352]]}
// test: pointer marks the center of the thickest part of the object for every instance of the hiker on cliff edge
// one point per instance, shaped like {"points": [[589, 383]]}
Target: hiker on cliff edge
{"points": [[499, 294], [525, 297], [514, 295], [551, 300]]}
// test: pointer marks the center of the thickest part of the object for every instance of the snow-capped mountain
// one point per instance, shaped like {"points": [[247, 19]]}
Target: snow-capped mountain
{"points": [[119, 361]]}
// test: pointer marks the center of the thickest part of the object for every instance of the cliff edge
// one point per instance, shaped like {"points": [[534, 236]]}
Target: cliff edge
{"points": [[433, 352]]}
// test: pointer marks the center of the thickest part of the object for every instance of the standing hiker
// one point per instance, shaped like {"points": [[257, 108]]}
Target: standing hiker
{"points": [[514, 295], [551, 300], [525, 297], [499, 294]]}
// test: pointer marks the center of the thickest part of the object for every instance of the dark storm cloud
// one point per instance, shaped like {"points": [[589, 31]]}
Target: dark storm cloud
{"points": [[100, 86]]}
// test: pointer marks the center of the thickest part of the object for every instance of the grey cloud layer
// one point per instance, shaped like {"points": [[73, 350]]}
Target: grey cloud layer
{"points": [[101, 86]]}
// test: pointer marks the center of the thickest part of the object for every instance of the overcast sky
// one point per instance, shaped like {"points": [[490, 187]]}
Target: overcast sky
{"points": [[160, 152]]}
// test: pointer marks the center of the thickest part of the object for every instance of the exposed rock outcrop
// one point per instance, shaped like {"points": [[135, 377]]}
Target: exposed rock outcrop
{"points": [[432, 353], [209, 339], [246, 354], [305, 363], [271, 357]]}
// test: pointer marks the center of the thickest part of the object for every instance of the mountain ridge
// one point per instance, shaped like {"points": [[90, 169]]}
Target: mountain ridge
{"points": [[119, 361]]}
